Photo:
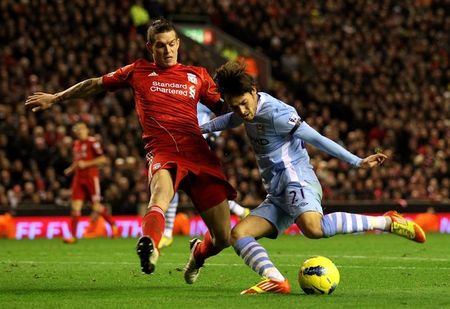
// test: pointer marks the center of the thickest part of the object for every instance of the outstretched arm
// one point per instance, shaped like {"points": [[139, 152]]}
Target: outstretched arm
{"points": [[82, 164], [98, 162], [227, 121], [85, 89], [311, 136]]}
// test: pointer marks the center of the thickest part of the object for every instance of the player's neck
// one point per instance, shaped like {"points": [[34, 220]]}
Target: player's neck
{"points": [[168, 67]]}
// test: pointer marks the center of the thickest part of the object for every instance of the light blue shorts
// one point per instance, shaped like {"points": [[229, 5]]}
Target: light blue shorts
{"points": [[284, 209]]}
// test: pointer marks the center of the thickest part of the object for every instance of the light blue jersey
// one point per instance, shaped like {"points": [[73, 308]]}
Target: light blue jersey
{"points": [[204, 115], [278, 136]]}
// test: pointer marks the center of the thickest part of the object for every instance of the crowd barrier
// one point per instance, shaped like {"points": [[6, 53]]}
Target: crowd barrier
{"points": [[130, 226]]}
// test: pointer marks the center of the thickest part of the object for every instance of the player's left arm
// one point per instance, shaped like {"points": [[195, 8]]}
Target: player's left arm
{"points": [[287, 121], [218, 108], [210, 96], [311, 136], [220, 123]]}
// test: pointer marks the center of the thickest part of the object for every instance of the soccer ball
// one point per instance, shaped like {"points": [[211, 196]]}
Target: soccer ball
{"points": [[318, 275]]}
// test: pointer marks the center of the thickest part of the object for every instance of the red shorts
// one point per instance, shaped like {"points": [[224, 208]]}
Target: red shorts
{"points": [[86, 189], [198, 174]]}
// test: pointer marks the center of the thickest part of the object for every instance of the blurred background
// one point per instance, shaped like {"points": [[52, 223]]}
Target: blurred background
{"points": [[368, 74]]}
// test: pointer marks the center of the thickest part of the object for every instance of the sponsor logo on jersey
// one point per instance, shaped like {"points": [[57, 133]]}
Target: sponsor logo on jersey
{"points": [[192, 78], [294, 119], [153, 74], [259, 141], [170, 88], [83, 151]]}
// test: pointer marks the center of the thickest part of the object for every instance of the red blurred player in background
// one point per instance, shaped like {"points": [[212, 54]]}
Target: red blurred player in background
{"points": [[166, 95], [87, 158]]}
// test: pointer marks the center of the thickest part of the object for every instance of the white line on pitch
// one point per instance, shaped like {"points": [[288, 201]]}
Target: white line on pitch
{"points": [[351, 257], [356, 257], [214, 264]]}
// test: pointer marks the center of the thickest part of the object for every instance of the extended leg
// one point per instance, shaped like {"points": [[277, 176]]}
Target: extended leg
{"points": [[217, 219], [256, 257], [161, 188]]}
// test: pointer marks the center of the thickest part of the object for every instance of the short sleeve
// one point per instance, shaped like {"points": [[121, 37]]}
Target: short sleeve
{"points": [[209, 95], [118, 79], [98, 148], [286, 120]]}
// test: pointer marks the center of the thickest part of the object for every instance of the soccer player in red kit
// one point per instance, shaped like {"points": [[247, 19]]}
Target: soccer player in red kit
{"points": [[87, 157], [166, 96]]}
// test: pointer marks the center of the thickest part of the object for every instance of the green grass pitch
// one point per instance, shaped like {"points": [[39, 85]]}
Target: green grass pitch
{"points": [[377, 271]]}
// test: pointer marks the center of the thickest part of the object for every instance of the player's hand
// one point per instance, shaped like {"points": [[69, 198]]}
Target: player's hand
{"points": [[68, 170], [373, 160], [40, 101], [71, 168]]}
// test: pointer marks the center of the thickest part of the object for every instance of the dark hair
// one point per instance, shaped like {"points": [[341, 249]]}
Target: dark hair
{"points": [[159, 25], [231, 79]]}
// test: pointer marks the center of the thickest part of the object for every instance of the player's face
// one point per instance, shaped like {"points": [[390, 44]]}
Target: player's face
{"points": [[165, 49], [244, 105], [81, 131]]}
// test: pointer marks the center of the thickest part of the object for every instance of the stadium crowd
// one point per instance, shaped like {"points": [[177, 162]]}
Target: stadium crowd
{"points": [[368, 74]]}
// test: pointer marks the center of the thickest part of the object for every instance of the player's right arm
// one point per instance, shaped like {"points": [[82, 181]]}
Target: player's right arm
{"points": [[85, 89], [220, 123], [68, 171]]}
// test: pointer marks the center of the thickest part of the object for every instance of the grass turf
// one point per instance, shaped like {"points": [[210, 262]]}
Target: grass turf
{"points": [[377, 271]]}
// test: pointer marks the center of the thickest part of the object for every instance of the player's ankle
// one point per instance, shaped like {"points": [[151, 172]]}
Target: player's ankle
{"points": [[388, 223]]}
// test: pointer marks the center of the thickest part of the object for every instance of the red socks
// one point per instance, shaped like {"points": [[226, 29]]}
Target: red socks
{"points": [[107, 216], [153, 224], [205, 250], [74, 225]]}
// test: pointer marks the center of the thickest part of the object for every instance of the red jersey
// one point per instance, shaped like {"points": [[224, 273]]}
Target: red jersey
{"points": [[166, 102], [87, 150]]}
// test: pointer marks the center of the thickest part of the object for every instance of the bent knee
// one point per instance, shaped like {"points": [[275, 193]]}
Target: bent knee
{"points": [[221, 241], [241, 231], [310, 223], [235, 236], [313, 232]]}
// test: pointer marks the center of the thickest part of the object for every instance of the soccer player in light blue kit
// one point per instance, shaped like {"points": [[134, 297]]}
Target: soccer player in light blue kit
{"points": [[278, 136], [203, 115]]}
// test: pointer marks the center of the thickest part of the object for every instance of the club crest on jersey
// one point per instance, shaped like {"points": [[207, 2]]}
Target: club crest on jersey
{"points": [[192, 78], [294, 119], [192, 92], [156, 166], [260, 128]]}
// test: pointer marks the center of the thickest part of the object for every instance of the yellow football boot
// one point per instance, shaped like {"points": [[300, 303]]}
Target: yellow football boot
{"points": [[165, 242], [269, 286], [405, 228]]}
